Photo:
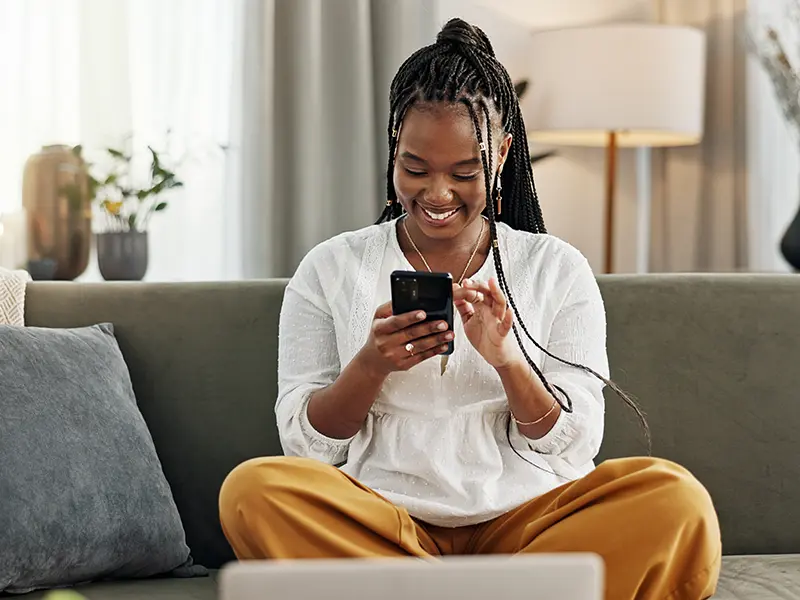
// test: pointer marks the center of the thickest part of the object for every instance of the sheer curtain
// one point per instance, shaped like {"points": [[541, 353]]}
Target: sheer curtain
{"points": [[700, 192], [182, 67], [93, 72], [39, 99]]}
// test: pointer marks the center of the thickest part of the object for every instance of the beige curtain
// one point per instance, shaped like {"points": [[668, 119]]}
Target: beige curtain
{"points": [[699, 193], [313, 121]]}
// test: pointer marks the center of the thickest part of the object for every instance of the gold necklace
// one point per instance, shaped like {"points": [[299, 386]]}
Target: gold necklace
{"points": [[445, 359], [425, 262]]}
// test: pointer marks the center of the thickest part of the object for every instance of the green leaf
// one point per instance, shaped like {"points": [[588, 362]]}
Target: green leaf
{"points": [[132, 221], [156, 167], [115, 153], [157, 188], [160, 206], [110, 179]]}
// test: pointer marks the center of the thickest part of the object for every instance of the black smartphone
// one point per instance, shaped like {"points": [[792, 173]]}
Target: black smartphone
{"points": [[430, 292]]}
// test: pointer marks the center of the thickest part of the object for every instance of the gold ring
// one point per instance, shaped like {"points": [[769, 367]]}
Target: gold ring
{"points": [[410, 348]]}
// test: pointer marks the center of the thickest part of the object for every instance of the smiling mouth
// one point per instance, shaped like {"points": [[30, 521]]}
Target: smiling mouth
{"points": [[440, 216]]}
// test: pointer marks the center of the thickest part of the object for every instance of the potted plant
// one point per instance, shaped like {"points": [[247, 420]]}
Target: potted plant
{"points": [[129, 192]]}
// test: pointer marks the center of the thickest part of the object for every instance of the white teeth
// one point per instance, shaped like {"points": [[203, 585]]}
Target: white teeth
{"points": [[440, 216]]}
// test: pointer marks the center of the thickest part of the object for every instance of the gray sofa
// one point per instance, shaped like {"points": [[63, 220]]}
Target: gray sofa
{"points": [[714, 360]]}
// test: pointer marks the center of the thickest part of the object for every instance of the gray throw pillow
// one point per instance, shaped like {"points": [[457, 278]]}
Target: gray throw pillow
{"points": [[82, 493]]}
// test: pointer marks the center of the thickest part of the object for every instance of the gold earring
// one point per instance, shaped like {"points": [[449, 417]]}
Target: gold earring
{"points": [[499, 189]]}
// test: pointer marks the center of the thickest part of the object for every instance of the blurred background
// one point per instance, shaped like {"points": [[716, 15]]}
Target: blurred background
{"points": [[185, 140]]}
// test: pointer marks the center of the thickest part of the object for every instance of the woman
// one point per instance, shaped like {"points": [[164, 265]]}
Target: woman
{"points": [[482, 451]]}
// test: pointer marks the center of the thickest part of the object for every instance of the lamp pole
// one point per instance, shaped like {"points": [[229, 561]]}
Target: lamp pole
{"points": [[611, 184]]}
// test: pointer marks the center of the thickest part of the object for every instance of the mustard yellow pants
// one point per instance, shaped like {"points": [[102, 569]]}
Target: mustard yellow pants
{"points": [[651, 521]]}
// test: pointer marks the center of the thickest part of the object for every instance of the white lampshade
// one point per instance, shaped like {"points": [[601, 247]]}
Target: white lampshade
{"points": [[645, 82]]}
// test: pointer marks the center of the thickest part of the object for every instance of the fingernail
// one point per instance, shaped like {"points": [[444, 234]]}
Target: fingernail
{"points": [[480, 297], [448, 336], [420, 315], [467, 282], [441, 326]]}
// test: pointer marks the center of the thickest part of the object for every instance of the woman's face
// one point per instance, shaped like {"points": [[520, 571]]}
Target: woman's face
{"points": [[438, 175]]}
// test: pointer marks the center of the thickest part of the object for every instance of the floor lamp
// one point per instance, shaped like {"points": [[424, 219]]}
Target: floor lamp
{"points": [[635, 85]]}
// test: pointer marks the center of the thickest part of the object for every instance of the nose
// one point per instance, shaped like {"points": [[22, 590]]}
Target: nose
{"points": [[438, 192]]}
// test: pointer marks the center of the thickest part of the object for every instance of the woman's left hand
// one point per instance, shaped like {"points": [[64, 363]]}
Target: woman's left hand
{"points": [[487, 320]]}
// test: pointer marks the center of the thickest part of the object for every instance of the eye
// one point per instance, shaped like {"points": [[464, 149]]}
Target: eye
{"points": [[414, 173], [465, 177]]}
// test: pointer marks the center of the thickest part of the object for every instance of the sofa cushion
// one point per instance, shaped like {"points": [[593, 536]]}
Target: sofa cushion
{"points": [[202, 358], [82, 493], [768, 577], [204, 588], [712, 360]]}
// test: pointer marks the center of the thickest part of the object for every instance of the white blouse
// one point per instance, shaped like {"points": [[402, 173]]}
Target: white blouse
{"points": [[442, 445]]}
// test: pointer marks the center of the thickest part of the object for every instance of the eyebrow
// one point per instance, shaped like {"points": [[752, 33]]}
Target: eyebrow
{"points": [[474, 161]]}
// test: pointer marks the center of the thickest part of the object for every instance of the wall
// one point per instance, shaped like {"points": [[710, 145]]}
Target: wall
{"points": [[570, 185]]}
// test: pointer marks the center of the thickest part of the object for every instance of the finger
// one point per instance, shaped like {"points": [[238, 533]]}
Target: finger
{"points": [[499, 305], [396, 323], [423, 345], [478, 286], [496, 293], [470, 295], [475, 285], [423, 356], [466, 310], [505, 325], [431, 341], [384, 311], [414, 332]]}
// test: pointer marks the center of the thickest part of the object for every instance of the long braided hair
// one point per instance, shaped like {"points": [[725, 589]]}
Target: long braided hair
{"points": [[460, 67]]}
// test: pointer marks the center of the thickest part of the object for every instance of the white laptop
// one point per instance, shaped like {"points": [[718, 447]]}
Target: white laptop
{"points": [[532, 577]]}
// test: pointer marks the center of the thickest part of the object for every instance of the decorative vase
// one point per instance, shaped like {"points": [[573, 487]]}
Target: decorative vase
{"points": [[790, 242], [58, 211], [122, 256]]}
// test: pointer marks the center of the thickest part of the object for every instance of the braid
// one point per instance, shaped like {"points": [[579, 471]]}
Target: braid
{"points": [[501, 279], [461, 68]]}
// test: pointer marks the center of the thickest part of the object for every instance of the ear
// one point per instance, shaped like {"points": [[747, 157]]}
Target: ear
{"points": [[502, 153]]}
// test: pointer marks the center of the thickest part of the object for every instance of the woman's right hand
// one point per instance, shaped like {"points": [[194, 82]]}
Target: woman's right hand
{"points": [[387, 348]]}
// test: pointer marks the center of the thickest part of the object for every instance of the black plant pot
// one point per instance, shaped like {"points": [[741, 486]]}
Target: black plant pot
{"points": [[790, 243], [122, 256]]}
